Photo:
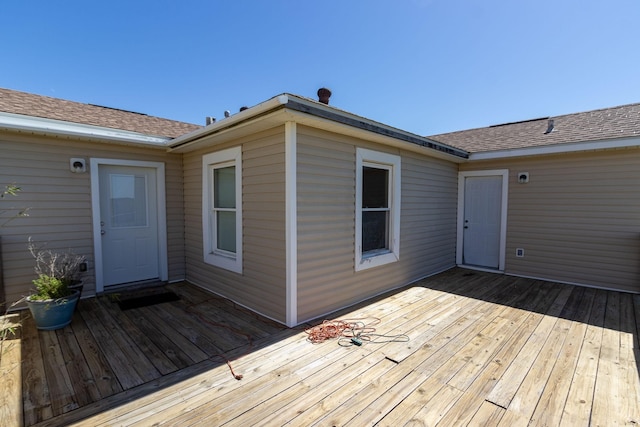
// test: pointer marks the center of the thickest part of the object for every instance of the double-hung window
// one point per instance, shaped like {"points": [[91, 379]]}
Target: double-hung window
{"points": [[222, 209], [377, 208]]}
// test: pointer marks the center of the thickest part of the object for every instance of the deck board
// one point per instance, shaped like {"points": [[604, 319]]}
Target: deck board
{"points": [[484, 349]]}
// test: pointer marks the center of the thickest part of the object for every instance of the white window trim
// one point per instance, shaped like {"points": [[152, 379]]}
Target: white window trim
{"points": [[229, 157], [366, 157]]}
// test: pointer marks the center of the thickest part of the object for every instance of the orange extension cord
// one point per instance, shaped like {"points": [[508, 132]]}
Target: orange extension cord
{"points": [[351, 332], [347, 328]]}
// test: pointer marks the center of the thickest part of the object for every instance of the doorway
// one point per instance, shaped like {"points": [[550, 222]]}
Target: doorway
{"points": [[482, 214], [129, 222]]}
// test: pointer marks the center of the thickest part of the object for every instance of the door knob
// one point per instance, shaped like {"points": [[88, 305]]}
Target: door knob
{"points": [[102, 232]]}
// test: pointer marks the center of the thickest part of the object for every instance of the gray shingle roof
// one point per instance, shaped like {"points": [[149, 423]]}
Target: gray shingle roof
{"points": [[607, 123], [16, 102]]}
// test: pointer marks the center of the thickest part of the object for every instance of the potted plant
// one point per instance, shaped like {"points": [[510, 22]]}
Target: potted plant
{"points": [[58, 287], [52, 304]]}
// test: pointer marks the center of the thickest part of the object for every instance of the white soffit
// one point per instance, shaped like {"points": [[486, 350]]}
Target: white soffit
{"points": [[609, 144], [38, 125]]}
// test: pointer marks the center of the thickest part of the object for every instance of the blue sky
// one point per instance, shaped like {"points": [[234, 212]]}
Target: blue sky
{"points": [[426, 66]]}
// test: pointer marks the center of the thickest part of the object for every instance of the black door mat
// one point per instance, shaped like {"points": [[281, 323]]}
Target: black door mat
{"points": [[147, 300]]}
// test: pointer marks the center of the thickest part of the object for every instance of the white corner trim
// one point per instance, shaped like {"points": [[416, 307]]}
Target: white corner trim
{"points": [[291, 227], [504, 173], [68, 129]]}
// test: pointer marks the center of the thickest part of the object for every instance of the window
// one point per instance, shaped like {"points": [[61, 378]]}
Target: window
{"points": [[222, 209], [377, 208]]}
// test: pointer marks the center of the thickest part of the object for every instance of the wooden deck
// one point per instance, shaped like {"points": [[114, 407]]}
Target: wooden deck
{"points": [[483, 350]]}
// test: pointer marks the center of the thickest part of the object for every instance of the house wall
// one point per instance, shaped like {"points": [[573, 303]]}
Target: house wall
{"points": [[578, 218], [327, 280], [60, 203], [262, 285]]}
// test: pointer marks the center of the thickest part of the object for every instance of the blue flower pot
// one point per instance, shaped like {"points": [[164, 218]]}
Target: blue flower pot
{"points": [[55, 314]]}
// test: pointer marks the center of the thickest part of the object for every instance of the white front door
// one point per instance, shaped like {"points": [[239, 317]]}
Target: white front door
{"points": [[128, 224], [482, 221]]}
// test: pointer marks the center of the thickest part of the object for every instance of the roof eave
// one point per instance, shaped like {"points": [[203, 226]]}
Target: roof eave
{"points": [[298, 107], [606, 144], [59, 128]]}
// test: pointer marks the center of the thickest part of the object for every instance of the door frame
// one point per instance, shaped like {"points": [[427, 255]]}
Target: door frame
{"points": [[163, 267], [504, 173]]}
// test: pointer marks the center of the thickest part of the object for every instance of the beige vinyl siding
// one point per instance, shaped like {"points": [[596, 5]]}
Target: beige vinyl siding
{"points": [[578, 218], [60, 203], [327, 279], [262, 285]]}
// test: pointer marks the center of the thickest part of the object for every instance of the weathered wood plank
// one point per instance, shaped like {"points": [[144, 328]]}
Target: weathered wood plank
{"points": [[124, 370], [474, 329], [11, 412], [163, 322], [84, 387], [103, 376], [405, 411], [550, 408], [577, 410], [433, 411], [63, 398], [488, 414], [36, 397], [607, 394], [629, 363], [506, 388], [142, 340], [523, 323]]}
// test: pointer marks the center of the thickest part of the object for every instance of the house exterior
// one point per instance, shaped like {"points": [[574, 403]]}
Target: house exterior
{"points": [[573, 196], [294, 208]]}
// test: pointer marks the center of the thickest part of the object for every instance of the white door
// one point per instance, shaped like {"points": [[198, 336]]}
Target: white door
{"points": [[128, 224], [482, 221]]}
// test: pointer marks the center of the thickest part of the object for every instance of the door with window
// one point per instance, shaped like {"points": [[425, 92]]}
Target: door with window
{"points": [[128, 224]]}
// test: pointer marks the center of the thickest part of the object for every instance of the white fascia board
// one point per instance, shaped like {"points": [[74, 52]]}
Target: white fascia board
{"points": [[608, 144], [39, 125], [186, 139]]}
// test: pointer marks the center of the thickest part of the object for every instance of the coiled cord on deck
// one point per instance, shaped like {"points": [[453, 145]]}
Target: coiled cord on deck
{"points": [[351, 332]]}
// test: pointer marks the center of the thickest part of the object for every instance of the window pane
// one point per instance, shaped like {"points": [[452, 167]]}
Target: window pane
{"points": [[374, 230], [226, 231], [375, 187], [128, 200], [224, 180]]}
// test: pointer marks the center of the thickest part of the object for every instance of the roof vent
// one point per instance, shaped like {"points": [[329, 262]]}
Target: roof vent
{"points": [[549, 127], [209, 120], [323, 95]]}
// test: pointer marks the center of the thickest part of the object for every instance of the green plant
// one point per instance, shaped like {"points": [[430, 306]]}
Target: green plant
{"points": [[9, 324], [48, 287], [11, 190]]}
